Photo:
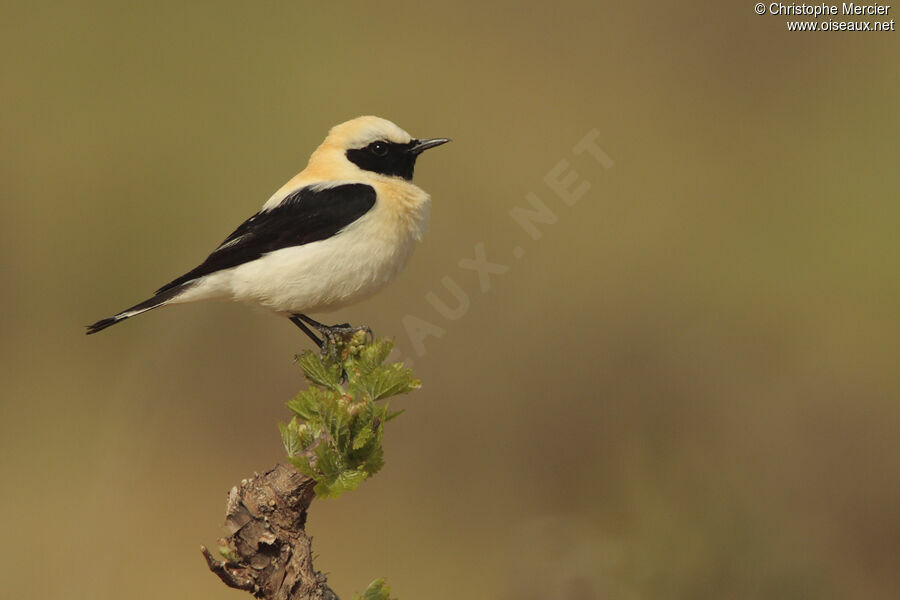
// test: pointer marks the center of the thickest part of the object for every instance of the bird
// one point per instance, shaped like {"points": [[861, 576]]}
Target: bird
{"points": [[333, 235]]}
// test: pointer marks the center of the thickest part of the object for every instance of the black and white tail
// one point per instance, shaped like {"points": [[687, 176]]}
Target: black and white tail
{"points": [[158, 300]]}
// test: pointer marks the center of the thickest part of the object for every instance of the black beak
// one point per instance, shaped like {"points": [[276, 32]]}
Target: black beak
{"points": [[420, 146]]}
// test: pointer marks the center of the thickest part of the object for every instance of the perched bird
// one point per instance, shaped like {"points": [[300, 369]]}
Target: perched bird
{"points": [[333, 235]]}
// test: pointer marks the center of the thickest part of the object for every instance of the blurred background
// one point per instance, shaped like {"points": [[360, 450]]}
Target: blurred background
{"points": [[687, 387]]}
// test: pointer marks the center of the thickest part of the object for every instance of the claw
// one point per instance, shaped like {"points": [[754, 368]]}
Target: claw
{"points": [[331, 334]]}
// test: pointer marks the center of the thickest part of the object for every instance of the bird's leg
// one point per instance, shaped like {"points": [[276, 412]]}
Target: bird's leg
{"points": [[296, 320], [332, 332]]}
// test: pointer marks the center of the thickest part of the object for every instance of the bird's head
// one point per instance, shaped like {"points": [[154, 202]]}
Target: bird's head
{"points": [[372, 145]]}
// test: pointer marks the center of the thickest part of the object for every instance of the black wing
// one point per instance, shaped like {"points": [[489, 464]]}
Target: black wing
{"points": [[307, 215]]}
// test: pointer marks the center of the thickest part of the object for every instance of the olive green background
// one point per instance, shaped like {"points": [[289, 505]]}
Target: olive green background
{"points": [[686, 388]]}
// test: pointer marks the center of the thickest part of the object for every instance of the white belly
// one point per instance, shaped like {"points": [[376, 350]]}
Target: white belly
{"points": [[321, 276]]}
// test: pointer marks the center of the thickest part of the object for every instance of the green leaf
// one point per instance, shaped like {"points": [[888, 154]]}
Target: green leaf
{"points": [[335, 435], [336, 420], [344, 482], [373, 355], [362, 438], [301, 463], [383, 382], [393, 414], [227, 553], [290, 437], [375, 461], [377, 590], [318, 372], [349, 480], [328, 462], [307, 404]]}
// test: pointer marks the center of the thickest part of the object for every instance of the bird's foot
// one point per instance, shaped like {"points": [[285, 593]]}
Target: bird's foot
{"points": [[338, 335], [336, 338], [333, 336]]}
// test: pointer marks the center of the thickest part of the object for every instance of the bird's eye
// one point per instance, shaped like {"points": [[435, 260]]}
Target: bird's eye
{"points": [[378, 148]]}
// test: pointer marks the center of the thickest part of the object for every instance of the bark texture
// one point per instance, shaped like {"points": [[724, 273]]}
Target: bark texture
{"points": [[269, 553]]}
